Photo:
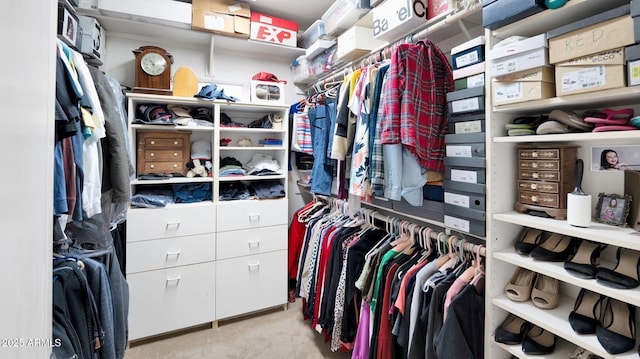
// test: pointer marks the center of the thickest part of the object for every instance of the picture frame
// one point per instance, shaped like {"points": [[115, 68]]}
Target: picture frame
{"points": [[625, 157], [612, 209], [68, 25]]}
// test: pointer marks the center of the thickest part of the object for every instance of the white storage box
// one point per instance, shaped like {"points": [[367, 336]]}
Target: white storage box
{"points": [[267, 92], [519, 56], [394, 18], [355, 42], [343, 14], [92, 41]]}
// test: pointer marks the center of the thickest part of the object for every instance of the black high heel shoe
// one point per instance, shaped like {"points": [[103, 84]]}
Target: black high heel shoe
{"points": [[617, 332], [529, 238], [511, 330], [626, 274], [585, 316], [584, 263], [538, 341], [556, 248]]}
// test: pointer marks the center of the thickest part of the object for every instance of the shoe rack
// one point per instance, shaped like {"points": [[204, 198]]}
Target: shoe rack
{"points": [[505, 224]]}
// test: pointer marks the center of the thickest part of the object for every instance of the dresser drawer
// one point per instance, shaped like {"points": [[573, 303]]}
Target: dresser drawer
{"points": [[540, 199], [173, 221], [548, 187], [170, 299], [251, 283], [251, 241], [539, 154], [162, 167], [234, 215], [163, 155], [153, 140], [170, 252], [540, 165], [540, 175]]}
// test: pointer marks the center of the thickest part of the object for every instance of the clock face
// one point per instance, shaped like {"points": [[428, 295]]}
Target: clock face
{"points": [[153, 64]]}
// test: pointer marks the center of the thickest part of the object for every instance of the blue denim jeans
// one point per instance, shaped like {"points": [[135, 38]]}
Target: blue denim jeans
{"points": [[322, 171]]}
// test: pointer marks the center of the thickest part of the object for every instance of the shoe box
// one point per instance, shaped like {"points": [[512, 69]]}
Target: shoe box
{"points": [[535, 84]]}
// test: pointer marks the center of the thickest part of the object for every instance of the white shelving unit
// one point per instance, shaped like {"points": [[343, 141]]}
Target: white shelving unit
{"points": [[186, 262], [504, 224]]}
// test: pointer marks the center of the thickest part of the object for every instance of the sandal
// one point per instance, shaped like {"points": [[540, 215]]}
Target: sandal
{"points": [[585, 316], [626, 274], [556, 248], [512, 330], [610, 117], [545, 293], [520, 285], [528, 240], [617, 332], [584, 263], [570, 119]]}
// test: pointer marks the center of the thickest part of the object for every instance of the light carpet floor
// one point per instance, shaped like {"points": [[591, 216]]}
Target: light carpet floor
{"points": [[276, 333]]}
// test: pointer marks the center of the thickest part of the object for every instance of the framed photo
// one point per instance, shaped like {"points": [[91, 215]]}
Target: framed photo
{"points": [[615, 158], [67, 25], [612, 209]]}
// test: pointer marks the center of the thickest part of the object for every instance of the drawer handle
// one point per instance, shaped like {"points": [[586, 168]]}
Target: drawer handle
{"points": [[175, 142], [534, 186], [175, 280], [174, 253], [152, 154], [254, 217], [534, 198], [175, 154], [152, 166], [254, 267], [253, 244], [534, 154], [175, 224], [175, 165], [536, 175], [534, 165], [153, 142]]}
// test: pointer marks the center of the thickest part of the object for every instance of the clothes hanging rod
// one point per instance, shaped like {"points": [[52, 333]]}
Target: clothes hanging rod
{"points": [[421, 34], [453, 239]]}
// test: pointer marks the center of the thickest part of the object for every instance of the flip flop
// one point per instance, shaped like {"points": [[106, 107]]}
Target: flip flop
{"points": [[570, 119], [611, 117], [635, 121], [551, 127], [614, 128]]}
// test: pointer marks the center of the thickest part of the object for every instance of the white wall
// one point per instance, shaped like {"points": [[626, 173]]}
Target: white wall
{"points": [[27, 92]]}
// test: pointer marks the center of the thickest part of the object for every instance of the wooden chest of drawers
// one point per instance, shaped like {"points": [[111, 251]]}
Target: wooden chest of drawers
{"points": [[545, 176], [162, 151]]}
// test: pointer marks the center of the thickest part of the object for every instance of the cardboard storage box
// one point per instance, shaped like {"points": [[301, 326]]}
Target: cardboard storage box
{"points": [[222, 17], [470, 123], [572, 80], [274, 30], [267, 92], [632, 55], [479, 188], [468, 53], [468, 71], [608, 35], [465, 200], [469, 82], [521, 91], [466, 225], [519, 56], [92, 41], [588, 21], [356, 42], [435, 7], [537, 74], [503, 12], [601, 71], [393, 18]]}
